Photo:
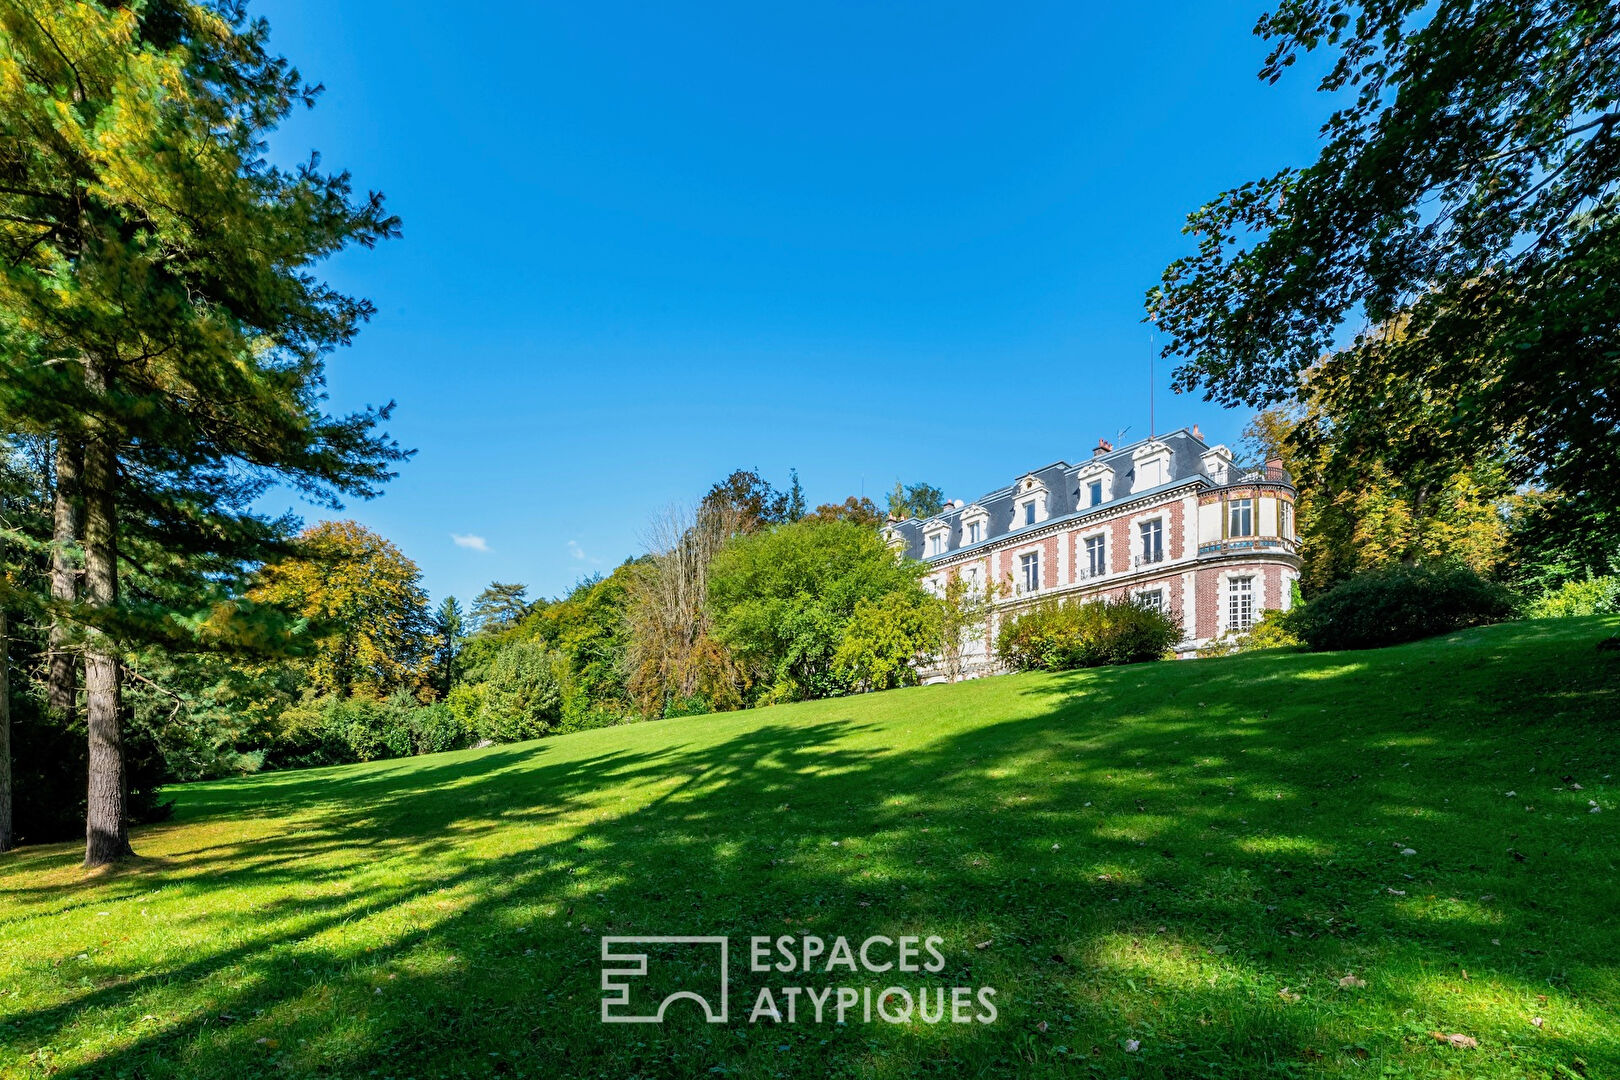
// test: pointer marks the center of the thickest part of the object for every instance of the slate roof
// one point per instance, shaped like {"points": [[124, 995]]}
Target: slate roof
{"points": [[1063, 494]]}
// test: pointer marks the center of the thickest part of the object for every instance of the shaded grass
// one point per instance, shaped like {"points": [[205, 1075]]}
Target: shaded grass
{"points": [[1188, 855]]}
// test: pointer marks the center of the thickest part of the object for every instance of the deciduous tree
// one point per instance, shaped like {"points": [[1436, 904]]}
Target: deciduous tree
{"points": [[1467, 187], [367, 611]]}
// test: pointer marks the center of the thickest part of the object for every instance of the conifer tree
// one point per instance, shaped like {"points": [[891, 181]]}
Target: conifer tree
{"points": [[159, 268]]}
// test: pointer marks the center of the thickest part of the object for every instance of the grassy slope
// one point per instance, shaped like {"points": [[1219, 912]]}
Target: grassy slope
{"points": [[1154, 853]]}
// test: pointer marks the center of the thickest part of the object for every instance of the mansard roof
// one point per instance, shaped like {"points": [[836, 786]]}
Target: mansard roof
{"points": [[1063, 494]]}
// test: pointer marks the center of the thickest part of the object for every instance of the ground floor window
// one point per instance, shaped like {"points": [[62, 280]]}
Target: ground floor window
{"points": [[1152, 599], [1240, 603]]}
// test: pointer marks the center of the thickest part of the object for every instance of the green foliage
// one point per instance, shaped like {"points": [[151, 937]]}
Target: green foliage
{"points": [[862, 511], [499, 607], [749, 499], [1593, 596], [523, 696], [1465, 190], [340, 731], [1396, 604], [884, 638], [366, 608], [1053, 636], [588, 626], [781, 600], [915, 501]]}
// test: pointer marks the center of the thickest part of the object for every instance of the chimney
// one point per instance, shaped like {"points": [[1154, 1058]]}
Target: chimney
{"points": [[1198, 434], [1103, 447]]}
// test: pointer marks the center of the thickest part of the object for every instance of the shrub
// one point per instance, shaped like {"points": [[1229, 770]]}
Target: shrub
{"points": [[523, 695], [436, 728], [1401, 603], [1056, 637], [1593, 596]]}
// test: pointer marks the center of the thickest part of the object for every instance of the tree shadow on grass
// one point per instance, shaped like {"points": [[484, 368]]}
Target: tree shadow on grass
{"points": [[1192, 858]]}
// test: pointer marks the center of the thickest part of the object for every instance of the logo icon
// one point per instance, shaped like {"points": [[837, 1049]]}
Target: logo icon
{"points": [[628, 965]]}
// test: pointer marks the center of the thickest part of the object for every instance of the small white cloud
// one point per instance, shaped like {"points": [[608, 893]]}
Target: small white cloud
{"points": [[575, 550], [468, 540]]}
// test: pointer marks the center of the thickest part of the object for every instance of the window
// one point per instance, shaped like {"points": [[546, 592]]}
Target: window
{"points": [[1152, 540], [971, 578], [1094, 493], [1153, 600], [1030, 567], [1240, 603], [1240, 517], [1096, 557], [936, 543], [1286, 512], [1029, 512], [975, 532]]}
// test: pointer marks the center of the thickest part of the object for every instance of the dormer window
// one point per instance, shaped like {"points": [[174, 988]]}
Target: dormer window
{"points": [[1031, 506], [936, 539], [975, 524], [1218, 464], [1152, 463], [936, 544], [1096, 484]]}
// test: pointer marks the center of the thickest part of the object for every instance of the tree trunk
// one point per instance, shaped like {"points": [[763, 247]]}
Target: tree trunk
{"points": [[61, 683], [106, 830], [6, 839]]}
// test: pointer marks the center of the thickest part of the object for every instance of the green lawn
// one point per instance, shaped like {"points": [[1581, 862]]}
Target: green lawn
{"points": [[1188, 855]]}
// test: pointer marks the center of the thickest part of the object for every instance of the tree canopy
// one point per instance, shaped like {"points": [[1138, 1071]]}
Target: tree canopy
{"points": [[1465, 193]]}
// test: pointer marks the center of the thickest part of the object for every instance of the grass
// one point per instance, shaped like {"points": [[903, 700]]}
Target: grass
{"points": [[1191, 856]]}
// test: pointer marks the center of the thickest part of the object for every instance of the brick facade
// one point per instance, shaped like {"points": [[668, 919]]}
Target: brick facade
{"points": [[1225, 536]]}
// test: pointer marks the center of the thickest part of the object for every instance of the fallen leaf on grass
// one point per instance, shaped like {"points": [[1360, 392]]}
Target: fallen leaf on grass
{"points": [[1041, 1027], [982, 945], [1462, 1042], [1350, 982], [1287, 995], [1132, 1045], [1538, 1021]]}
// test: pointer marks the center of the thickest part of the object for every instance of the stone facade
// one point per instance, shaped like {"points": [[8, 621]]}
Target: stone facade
{"points": [[1169, 520]]}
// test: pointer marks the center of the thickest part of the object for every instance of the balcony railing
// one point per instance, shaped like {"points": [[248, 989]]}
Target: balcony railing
{"points": [[1259, 474]]}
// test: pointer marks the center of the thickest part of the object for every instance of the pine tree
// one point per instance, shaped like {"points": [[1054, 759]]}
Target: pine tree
{"points": [[159, 269]]}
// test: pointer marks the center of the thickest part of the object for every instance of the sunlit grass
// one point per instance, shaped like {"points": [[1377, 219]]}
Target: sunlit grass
{"points": [[1207, 859]]}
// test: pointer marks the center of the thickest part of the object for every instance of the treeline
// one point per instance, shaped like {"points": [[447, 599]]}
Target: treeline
{"points": [[326, 650]]}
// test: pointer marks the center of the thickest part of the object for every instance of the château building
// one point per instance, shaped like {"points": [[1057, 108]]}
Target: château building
{"points": [[1171, 521]]}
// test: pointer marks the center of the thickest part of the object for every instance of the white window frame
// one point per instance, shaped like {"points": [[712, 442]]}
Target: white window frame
{"points": [[1027, 561], [1101, 570], [1160, 601], [1142, 526], [1241, 596]]}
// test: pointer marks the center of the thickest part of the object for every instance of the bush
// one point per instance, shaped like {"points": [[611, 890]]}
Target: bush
{"points": [[1593, 596], [523, 695], [436, 728], [1056, 637], [1400, 603]]}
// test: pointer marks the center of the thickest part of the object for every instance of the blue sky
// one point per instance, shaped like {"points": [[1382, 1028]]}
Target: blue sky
{"points": [[647, 244]]}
